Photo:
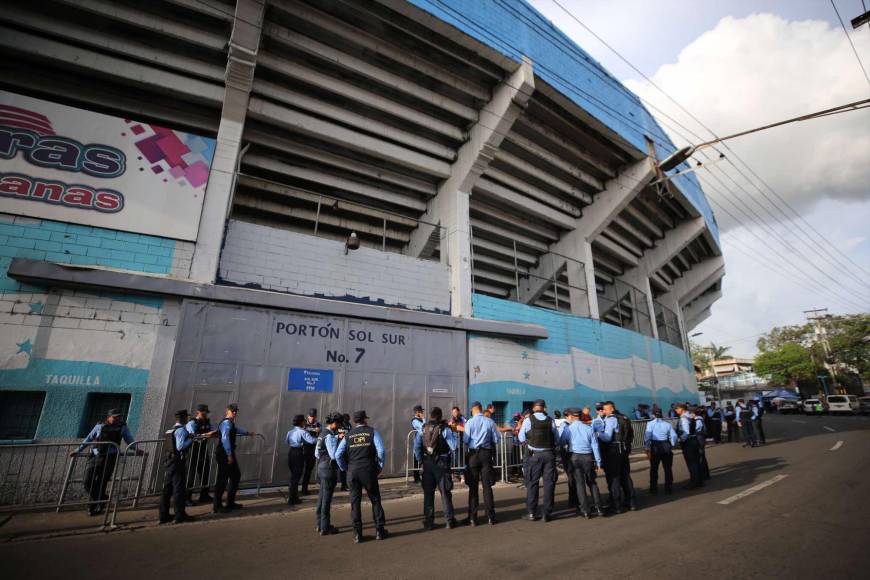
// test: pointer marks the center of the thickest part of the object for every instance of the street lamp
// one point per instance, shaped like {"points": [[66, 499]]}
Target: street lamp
{"points": [[681, 155]]}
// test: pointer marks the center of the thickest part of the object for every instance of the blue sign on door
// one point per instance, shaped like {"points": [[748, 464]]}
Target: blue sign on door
{"points": [[310, 380]]}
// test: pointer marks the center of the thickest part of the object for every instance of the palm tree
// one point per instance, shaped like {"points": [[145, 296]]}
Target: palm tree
{"points": [[717, 352]]}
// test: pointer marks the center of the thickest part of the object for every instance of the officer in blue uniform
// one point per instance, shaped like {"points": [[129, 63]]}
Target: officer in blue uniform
{"points": [[539, 433], [297, 437], [361, 454], [433, 449], [743, 418], [757, 422], [481, 438], [312, 426], [176, 447], [687, 434], [616, 466], [228, 472], [327, 472], [417, 422], [659, 440], [582, 451], [102, 458], [200, 430]]}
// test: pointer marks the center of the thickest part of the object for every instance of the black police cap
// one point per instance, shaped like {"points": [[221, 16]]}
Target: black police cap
{"points": [[359, 416], [418, 408], [202, 408], [312, 412], [182, 413], [114, 413]]}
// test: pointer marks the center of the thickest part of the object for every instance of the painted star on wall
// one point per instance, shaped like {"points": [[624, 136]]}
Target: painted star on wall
{"points": [[524, 354], [24, 347], [526, 375]]}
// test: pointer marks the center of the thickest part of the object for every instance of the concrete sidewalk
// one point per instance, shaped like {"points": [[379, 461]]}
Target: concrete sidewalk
{"points": [[31, 525]]}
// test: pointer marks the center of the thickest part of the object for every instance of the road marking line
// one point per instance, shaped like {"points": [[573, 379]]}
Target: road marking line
{"points": [[837, 445], [801, 422], [752, 490], [829, 429]]}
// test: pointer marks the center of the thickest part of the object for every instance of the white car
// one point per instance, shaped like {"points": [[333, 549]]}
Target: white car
{"points": [[809, 407], [843, 404]]}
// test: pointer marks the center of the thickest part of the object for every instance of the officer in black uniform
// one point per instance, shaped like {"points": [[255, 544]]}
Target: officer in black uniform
{"points": [[312, 426], [327, 472], [361, 453], [176, 447], [102, 458], [229, 474], [200, 429], [687, 434]]}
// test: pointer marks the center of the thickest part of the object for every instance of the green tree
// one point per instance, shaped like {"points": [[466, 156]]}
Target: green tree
{"points": [[849, 337], [779, 336], [717, 352], [786, 365]]}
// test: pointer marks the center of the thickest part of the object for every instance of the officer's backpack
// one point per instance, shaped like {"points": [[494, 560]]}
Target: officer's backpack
{"points": [[626, 432], [434, 443]]}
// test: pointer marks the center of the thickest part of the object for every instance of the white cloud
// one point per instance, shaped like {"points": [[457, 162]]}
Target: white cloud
{"points": [[760, 69]]}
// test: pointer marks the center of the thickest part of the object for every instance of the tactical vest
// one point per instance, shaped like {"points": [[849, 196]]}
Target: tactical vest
{"points": [[433, 438], [109, 434], [219, 449], [361, 452], [170, 445], [311, 428], [322, 452], [202, 425], [540, 436]]}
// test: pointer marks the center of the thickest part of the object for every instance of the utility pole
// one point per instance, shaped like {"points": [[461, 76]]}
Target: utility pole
{"points": [[821, 335]]}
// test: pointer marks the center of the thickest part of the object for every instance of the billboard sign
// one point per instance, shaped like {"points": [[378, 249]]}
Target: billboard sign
{"points": [[72, 165]]}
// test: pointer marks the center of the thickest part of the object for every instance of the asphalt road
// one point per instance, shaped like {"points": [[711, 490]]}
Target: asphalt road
{"points": [[810, 519]]}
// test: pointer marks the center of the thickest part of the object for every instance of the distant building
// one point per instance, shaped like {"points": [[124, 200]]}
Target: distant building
{"points": [[730, 379]]}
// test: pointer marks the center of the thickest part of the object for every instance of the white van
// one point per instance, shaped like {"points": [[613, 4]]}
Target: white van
{"points": [[843, 404]]}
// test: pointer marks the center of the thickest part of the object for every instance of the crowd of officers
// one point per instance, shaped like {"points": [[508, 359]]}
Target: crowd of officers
{"points": [[351, 453]]}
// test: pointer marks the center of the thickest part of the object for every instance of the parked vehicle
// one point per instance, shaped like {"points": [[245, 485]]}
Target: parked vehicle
{"points": [[843, 404], [864, 405], [786, 407], [811, 407]]}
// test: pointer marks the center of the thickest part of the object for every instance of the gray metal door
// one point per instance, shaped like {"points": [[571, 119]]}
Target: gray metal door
{"points": [[254, 357]]}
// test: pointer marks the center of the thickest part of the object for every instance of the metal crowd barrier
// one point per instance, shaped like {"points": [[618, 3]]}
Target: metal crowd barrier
{"points": [[639, 426], [52, 475]]}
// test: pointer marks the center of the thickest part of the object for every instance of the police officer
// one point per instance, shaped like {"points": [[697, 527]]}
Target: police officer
{"points": [[327, 472], [743, 417], [581, 448], [659, 439], [701, 433], [686, 433], [228, 474], [538, 431], [757, 422], [200, 430], [715, 419], [433, 449], [481, 437], [176, 446], [614, 457], [297, 438], [361, 454], [417, 422], [312, 426], [102, 458]]}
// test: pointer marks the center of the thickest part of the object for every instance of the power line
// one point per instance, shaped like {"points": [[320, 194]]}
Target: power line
{"points": [[692, 116], [852, 44]]}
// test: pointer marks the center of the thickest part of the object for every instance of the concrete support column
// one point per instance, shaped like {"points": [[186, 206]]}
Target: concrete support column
{"points": [[241, 62], [449, 208], [617, 194], [580, 275], [458, 251]]}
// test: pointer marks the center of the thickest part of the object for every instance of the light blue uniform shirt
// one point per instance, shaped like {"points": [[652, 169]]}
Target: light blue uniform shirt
{"points": [[297, 435], [342, 450], [611, 428], [598, 424], [225, 436], [756, 413], [659, 430], [581, 438], [183, 440], [331, 442], [95, 434], [417, 424], [449, 437], [527, 426], [684, 427], [480, 432]]}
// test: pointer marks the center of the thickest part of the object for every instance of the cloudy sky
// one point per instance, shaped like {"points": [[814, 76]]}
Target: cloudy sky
{"points": [[738, 64]]}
